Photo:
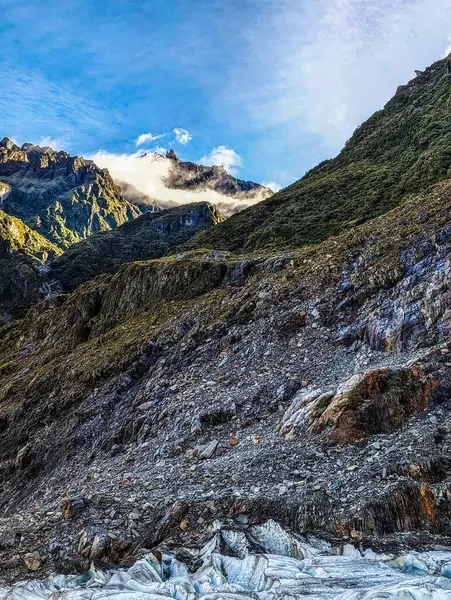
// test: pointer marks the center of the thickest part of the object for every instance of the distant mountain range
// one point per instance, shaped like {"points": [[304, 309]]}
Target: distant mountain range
{"points": [[68, 198], [50, 201]]}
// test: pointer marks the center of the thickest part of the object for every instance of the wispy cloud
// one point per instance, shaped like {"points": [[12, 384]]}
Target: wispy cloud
{"points": [[322, 67], [225, 157], [55, 143], [31, 103], [360, 52], [144, 138], [448, 47], [182, 136], [272, 185], [158, 149]]}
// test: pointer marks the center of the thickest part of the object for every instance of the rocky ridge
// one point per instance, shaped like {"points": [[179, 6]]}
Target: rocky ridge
{"points": [[34, 268], [185, 175], [50, 200], [151, 235], [65, 198]]}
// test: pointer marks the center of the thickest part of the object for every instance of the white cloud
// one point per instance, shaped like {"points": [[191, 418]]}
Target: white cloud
{"points": [[448, 47], [225, 157], [55, 143], [182, 136], [148, 172], [159, 150], [148, 137], [272, 185]]}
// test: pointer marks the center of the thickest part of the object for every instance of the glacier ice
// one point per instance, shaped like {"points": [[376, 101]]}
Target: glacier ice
{"points": [[263, 562]]}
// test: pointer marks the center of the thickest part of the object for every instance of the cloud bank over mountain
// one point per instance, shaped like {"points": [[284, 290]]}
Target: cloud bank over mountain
{"points": [[167, 182]]}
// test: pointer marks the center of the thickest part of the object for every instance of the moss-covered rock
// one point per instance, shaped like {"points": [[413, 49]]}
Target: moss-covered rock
{"points": [[16, 236]]}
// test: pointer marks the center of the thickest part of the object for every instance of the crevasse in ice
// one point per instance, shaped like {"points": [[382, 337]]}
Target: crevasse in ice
{"points": [[264, 562]]}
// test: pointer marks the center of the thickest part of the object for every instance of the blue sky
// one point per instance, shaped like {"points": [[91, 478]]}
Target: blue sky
{"points": [[269, 87]]}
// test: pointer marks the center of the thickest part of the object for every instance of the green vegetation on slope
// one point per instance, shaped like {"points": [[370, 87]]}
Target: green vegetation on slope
{"points": [[16, 237], [151, 235], [79, 213], [70, 343], [400, 150], [21, 251], [65, 198]]}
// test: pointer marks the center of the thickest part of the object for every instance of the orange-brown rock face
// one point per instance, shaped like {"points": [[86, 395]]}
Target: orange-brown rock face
{"points": [[378, 401]]}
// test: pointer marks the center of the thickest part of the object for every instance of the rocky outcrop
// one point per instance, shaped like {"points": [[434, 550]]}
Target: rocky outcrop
{"points": [[62, 197], [191, 176], [97, 306], [379, 401]]}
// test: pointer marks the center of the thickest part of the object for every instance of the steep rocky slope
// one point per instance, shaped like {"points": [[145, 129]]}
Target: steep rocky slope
{"points": [[310, 385], [33, 268], [65, 198], [400, 150], [16, 237], [183, 389], [23, 253]]}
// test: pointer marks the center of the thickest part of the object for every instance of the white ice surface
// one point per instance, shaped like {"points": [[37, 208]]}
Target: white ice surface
{"points": [[264, 563]]}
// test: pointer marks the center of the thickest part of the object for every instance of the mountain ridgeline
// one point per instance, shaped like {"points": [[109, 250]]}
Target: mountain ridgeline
{"points": [[149, 236], [54, 204], [184, 175], [399, 151], [64, 198]]}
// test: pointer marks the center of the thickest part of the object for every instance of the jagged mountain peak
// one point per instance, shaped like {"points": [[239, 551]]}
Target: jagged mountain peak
{"points": [[171, 181], [34, 150], [64, 198], [8, 144], [13, 157]]}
